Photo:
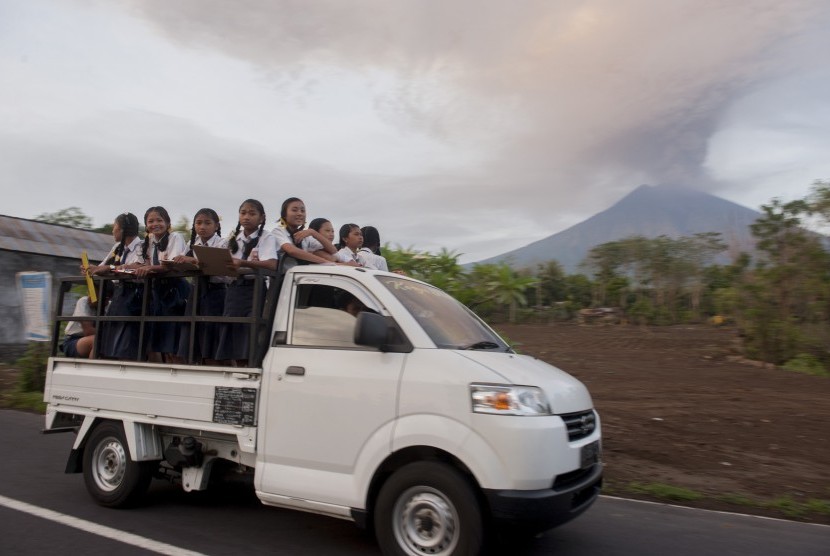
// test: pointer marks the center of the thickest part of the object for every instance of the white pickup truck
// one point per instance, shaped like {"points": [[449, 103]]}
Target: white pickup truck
{"points": [[413, 417]]}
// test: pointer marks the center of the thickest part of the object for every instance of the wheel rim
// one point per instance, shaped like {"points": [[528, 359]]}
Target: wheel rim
{"points": [[109, 464], [425, 522]]}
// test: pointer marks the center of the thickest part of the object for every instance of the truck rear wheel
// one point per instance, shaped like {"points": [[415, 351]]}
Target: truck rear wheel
{"points": [[111, 477], [428, 508]]}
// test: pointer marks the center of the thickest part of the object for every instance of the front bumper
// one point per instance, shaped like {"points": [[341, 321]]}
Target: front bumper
{"points": [[539, 510]]}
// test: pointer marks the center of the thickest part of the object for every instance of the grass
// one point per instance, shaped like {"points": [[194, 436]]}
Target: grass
{"points": [[665, 492], [793, 508], [785, 505]]}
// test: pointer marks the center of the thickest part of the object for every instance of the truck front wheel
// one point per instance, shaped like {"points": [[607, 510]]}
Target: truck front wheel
{"points": [[428, 508], [111, 477]]}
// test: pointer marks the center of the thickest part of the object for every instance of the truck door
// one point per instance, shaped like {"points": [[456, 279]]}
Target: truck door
{"points": [[330, 404]]}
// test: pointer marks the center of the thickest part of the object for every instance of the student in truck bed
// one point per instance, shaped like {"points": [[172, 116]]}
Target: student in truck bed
{"points": [[292, 234], [206, 231], [251, 246], [169, 295], [119, 340]]}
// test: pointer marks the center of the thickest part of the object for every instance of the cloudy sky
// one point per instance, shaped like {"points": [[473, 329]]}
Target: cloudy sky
{"points": [[476, 126]]}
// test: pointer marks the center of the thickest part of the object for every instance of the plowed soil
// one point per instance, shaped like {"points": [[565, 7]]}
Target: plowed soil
{"points": [[680, 407]]}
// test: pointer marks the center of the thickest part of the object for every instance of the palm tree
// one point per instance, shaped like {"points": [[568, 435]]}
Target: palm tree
{"points": [[506, 287]]}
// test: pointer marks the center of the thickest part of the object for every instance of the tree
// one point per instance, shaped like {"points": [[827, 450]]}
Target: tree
{"points": [[785, 300], [551, 286], [70, 216], [655, 274], [699, 251], [500, 285], [441, 270], [605, 261]]}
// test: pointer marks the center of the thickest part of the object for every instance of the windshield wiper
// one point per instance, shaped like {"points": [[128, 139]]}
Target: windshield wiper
{"points": [[485, 344]]}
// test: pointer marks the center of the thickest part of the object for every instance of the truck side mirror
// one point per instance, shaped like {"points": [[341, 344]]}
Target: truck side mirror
{"points": [[379, 332]]}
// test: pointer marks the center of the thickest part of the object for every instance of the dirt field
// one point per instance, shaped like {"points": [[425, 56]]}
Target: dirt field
{"points": [[679, 407]]}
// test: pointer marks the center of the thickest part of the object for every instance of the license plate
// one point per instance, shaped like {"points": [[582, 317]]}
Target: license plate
{"points": [[589, 455]]}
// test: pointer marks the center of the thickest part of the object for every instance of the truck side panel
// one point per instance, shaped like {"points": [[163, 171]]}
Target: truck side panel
{"points": [[171, 391]]}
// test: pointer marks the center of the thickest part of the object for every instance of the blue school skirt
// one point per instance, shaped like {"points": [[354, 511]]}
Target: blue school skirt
{"points": [[119, 340], [211, 303], [168, 298], [233, 337]]}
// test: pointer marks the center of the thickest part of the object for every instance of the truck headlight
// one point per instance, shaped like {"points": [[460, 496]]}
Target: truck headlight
{"points": [[509, 400]]}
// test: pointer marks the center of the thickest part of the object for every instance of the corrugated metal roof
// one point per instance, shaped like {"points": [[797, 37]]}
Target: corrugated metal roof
{"points": [[31, 236]]}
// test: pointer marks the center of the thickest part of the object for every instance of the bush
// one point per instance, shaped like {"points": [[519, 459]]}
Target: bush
{"points": [[33, 367], [807, 364]]}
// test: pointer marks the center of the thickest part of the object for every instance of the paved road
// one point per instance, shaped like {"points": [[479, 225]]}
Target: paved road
{"points": [[43, 510]]}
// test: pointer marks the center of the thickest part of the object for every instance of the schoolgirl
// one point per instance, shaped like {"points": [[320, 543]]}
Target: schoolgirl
{"points": [[369, 254], [168, 296], [251, 246], [80, 335], [351, 240], [119, 340], [294, 241], [326, 229], [207, 232]]}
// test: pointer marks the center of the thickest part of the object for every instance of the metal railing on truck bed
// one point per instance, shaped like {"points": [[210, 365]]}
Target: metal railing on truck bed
{"points": [[265, 293]]}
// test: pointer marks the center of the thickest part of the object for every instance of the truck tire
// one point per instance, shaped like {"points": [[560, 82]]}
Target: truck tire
{"points": [[112, 478], [428, 508]]}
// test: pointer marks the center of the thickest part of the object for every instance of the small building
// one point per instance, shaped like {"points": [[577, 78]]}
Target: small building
{"points": [[29, 245]]}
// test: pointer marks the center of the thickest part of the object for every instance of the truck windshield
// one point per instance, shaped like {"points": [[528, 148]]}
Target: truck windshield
{"points": [[448, 323]]}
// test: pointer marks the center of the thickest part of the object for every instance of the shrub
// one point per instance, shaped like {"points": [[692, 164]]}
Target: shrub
{"points": [[807, 364], [33, 367]]}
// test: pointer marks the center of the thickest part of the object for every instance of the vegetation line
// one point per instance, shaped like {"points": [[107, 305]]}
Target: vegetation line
{"points": [[785, 505]]}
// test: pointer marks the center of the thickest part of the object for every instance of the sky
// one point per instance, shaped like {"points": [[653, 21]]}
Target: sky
{"points": [[474, 126]]}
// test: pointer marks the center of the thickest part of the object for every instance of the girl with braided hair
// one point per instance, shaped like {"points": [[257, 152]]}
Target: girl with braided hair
{"points": [[206, 231], [168, 295], [119, 340], [251, 246]]}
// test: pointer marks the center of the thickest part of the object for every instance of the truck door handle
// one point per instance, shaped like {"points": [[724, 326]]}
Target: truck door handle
{"points": [[297, 371]]}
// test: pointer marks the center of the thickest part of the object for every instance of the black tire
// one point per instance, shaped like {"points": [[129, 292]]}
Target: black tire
{"points": [[428, 508], [112, 478]]}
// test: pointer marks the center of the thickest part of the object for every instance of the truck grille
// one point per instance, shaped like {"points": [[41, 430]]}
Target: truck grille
{"points": [[580, 424]]}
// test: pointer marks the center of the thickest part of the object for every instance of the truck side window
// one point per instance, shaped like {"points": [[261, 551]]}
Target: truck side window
{"points": [[325, 316]]}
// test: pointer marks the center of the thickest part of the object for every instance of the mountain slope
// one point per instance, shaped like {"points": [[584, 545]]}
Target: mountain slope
{"points": [[649, 211]]}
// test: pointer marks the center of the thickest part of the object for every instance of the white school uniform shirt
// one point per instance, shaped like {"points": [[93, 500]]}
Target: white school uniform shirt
{"points": [[132, 253], [311, 244], [281, 236], [346, 255], [213, 241], [175, 246], [82, 309], [266, 247], [370, 260]]}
